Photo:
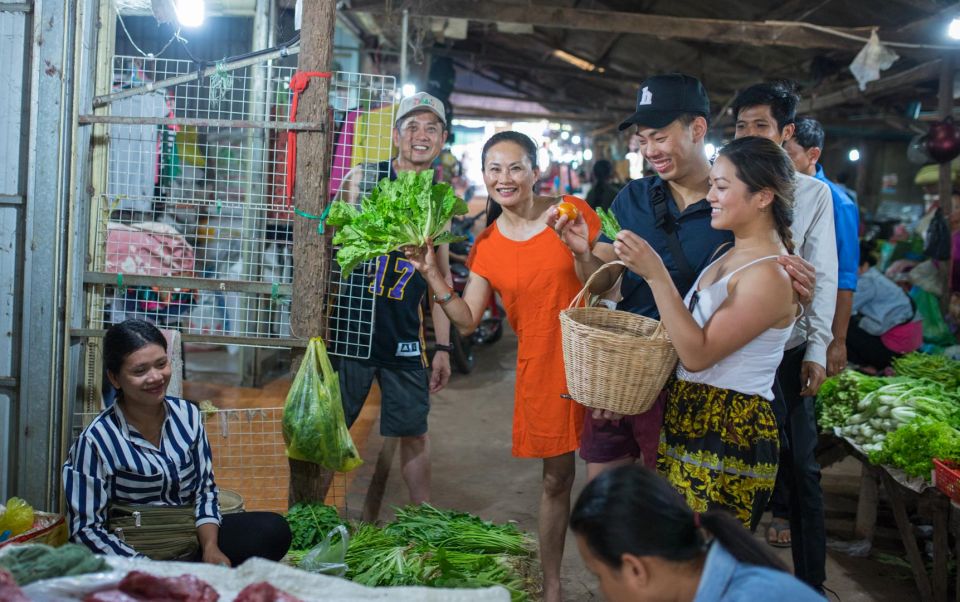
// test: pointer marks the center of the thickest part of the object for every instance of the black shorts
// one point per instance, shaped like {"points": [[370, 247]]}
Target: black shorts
{"points": [[404, 396]]}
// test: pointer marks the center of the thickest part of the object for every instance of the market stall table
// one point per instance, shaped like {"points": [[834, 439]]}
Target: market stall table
{"points": [[931, 504]]}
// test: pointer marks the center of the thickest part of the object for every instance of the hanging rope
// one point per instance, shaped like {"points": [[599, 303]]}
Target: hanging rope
{"points": [[298, 83]]}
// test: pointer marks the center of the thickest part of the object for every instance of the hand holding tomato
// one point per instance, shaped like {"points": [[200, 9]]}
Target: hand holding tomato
{"points": [[570, 225], [639, 256], [568, 210]]}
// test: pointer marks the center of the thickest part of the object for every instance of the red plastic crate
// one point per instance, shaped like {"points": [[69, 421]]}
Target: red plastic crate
{"points": [[946, 475]]}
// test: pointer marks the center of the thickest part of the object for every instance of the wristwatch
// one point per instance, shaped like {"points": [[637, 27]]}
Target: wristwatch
{"points": [[447, 348]]}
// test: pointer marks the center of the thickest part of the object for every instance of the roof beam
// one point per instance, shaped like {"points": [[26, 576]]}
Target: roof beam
{"points": [[468, 111], [720, 31], [851, 94], [572, 104], [534, 67]]}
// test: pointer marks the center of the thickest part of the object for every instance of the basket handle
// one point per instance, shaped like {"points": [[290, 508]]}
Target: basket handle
{"points": [[586, 287], [660, 332]]}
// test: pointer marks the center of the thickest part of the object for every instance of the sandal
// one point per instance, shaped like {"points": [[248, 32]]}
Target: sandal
{"points": [[778, 527]]}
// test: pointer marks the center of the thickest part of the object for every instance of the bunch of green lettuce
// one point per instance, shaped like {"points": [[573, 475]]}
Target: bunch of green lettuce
{"points": [[403, 212], [913, 446]]}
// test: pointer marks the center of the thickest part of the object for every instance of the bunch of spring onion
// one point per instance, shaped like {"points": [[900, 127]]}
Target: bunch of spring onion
{"points": [[893, 405]]}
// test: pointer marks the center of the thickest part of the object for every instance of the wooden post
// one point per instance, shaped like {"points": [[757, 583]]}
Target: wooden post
{"points": [[909, 539], [945, 109], [308, 482], [866, 522], [941, 546]]}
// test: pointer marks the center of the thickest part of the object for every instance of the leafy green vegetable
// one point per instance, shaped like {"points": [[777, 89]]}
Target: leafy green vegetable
{"points": [[840, 394], [39, 561], [406, 211], [457, 531], [439, 548], [314, 428], [938, 368], [913, 446], [608, 223], [310, 523]]}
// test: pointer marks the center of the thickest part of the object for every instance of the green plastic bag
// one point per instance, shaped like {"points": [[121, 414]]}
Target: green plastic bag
{"points": [[314, 428], [935, 329]]}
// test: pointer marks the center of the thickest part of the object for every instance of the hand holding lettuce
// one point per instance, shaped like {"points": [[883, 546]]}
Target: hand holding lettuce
{"points": [[407, 211]]}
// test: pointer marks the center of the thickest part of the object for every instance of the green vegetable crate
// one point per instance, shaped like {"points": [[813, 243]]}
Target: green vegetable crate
{"points": [[946, 475]]}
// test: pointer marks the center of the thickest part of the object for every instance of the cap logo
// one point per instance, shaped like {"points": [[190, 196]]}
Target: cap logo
{"points": [[425, 101], [646, 96]]}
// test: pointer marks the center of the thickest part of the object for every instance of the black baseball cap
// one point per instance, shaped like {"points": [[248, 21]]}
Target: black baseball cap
{"points": [[663, 98]]}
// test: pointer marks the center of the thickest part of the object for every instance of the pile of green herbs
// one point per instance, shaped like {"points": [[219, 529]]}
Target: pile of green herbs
{"points": [[425, 546], [407, 211], [310, 523], [938, 368], [904, 421]]}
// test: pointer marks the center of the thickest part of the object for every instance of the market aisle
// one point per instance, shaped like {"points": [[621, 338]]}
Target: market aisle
{"points": [[472, 467], [474, 471]]}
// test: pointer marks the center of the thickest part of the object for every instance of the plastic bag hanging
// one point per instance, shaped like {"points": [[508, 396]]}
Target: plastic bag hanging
{"points": [[871, 60], [314, 428]]}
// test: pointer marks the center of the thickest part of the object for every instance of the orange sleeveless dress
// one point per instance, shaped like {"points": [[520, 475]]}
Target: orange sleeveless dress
{"points": [[536, 280]]}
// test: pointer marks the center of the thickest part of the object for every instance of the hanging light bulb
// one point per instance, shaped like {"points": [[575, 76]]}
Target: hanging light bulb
{"points": [[954, 29], [190, 13]]}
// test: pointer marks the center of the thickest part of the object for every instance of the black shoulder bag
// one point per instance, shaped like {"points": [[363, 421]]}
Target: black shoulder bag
{"points": [[666, 222]]}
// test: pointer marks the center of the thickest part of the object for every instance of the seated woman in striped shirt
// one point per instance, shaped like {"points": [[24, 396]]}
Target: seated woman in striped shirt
{"points": [[150, 449]]}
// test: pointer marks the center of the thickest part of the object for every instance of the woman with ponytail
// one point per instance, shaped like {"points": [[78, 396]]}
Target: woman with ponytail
{"points": [[523, 260], [635, 533], [719, 445]]}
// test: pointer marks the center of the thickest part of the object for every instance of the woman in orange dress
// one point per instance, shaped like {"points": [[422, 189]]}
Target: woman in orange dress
{"points": [[522, 259]]}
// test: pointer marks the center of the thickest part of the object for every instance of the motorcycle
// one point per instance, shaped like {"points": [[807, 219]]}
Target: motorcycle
{"points": [[490, 329]]}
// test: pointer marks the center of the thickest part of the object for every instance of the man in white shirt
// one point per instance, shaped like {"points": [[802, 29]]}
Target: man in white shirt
{"points": [[768, 110]]}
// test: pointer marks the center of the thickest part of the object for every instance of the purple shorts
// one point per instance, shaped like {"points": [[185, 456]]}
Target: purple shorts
{"points": [[630, 437]]}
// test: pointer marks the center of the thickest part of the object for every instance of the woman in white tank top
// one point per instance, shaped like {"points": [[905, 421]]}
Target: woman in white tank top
{"points": [[719, 443]]}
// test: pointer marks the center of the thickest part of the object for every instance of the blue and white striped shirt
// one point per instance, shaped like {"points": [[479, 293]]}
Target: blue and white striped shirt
{"points": [[112, 462]]}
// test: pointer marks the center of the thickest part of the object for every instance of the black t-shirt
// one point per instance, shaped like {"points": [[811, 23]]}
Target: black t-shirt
{"points": [[398, 293]]}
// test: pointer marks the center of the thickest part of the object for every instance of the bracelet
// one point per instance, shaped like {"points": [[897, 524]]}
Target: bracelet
{"points": [[447, 348], [443, 300]]}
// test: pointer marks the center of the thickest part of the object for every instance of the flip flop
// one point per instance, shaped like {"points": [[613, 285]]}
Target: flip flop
{"points": [[778, 526]]}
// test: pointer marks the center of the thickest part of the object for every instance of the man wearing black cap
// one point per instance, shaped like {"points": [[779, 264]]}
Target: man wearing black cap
{"points": [[670, 211]]}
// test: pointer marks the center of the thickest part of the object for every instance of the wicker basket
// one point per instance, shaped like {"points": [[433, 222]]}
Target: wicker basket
{"points": [[614, 360]]}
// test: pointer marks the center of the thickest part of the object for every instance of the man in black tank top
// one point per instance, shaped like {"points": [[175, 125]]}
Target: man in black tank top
{"points": [[398, 358]]}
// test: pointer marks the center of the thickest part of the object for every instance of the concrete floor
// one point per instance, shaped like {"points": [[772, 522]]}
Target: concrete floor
{"points": [[474, 471]]}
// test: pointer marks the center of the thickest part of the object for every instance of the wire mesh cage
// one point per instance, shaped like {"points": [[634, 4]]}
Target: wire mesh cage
{"points": [[249, 457], [196, 196]]}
